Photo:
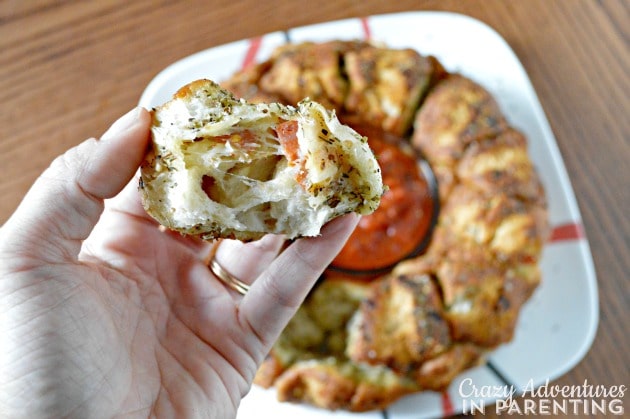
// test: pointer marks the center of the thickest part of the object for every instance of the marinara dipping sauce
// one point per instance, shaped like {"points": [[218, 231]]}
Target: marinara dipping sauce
{"points": [[403, 220]]}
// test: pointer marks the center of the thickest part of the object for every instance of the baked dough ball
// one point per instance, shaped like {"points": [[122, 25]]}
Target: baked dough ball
{"points": [[220, 167], [456, 113]]}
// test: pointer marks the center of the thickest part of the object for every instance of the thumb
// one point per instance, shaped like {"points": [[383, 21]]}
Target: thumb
{"points": [[65, 202]]}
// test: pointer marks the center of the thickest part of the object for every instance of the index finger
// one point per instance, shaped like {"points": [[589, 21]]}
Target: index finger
{"points": [[278, 292]]}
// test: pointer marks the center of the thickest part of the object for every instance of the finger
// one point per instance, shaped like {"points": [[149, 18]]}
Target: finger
{"points": [[278, 292], [247, 261], [128, 202], [65, 202]]}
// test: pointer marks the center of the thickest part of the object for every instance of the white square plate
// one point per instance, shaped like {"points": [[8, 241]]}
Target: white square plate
{"points": [[557, 325]]}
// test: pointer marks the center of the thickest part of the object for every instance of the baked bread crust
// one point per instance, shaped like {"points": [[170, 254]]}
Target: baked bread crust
{"points": [[220, 167], [360, 346]]}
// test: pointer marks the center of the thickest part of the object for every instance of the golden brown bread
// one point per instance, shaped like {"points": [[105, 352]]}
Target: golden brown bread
{"points": [[361, 81], [220, 167], [361, 346], [458, 112], [308, 70], [333, 384], [400, 324]]}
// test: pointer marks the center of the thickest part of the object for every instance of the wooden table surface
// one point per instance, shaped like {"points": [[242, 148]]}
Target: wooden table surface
{"points": [[69, 68]]}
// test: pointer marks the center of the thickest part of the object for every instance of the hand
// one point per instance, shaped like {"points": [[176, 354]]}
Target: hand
{"points": [[103, 314]]}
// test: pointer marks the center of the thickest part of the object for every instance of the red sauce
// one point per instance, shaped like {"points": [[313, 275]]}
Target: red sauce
{"points": [[403, 218], [286, 132], [287, 135]]}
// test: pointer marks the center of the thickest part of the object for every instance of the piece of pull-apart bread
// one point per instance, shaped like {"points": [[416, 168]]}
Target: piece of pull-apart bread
{"points": [[219, 167]]}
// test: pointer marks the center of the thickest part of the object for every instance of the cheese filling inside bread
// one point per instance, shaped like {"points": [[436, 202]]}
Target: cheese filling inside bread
{"points": [[220, 167]]}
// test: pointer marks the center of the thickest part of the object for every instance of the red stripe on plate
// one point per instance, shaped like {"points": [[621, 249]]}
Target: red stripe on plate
{"points": [[447, 405], [252, 50], [567, 232], [367, 33]]}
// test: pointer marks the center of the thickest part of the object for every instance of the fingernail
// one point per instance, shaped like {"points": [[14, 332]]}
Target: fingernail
{"points": [[122, 124]]}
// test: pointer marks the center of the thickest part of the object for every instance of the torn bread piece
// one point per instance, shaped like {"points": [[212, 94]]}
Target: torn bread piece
{"points": [[219, 167]]}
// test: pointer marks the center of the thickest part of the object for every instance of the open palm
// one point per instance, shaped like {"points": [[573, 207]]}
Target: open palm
{"points": [[103, 314]]}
